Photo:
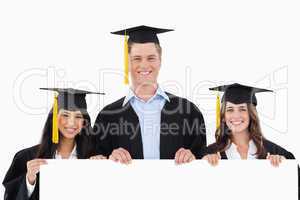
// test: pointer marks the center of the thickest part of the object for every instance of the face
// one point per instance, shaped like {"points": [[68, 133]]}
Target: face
{"points": [[144, 63], [237, 117], [70, 123]]}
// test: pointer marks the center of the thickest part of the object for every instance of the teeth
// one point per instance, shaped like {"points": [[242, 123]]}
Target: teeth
{"points": [[70, 129], [236, 123], [145, 73]]}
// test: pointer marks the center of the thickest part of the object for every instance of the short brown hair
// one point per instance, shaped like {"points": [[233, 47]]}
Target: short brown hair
{"points": [[158, 47]]}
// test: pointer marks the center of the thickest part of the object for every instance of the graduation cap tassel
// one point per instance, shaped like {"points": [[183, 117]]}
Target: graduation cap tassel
{"points": [[54, 121], [218, 112], [126, 80]]}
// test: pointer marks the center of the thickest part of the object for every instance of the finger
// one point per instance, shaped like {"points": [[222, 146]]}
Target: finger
{"points": [[268, 155], [210, 160], [181, 157], [216, 159], [37, 162], [192, 158], [177, 155], [219, 155], [277, 160], [127, 155], [113, 158], [189, 155], [204, 158]]}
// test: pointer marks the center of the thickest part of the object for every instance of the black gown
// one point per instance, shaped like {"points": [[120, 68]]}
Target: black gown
{"points": [[269, 146], [182, 125], [15, 178]]}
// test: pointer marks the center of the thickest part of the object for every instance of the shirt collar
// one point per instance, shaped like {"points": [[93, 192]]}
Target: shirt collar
{"points": [[159, 92], [232, 152]]}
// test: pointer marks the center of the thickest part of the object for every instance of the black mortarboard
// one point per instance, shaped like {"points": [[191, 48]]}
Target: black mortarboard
{"points": [[71, 99], [142, 34], [68, 99], [237, 93]]}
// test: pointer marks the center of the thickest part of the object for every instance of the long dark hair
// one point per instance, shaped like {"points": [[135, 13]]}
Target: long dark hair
{"points": [[224, 137], [83, 141]]}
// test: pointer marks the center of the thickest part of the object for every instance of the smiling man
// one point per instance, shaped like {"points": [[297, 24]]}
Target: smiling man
{"points": [[149, 123]]}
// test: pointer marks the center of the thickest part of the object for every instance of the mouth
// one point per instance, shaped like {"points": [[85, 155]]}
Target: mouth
{"points": [[145, 73], [236, 123], [71, 130]]}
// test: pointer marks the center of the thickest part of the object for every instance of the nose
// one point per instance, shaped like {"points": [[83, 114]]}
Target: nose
{"points": [[144, 64], [71, 121]]}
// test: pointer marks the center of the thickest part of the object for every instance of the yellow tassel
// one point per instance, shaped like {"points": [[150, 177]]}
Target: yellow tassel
{"points": [[126, 69], [54, 121], [218, 112]]}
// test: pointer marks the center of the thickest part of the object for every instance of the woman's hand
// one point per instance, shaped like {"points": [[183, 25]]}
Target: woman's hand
{"points": [[212, 159], [33, 167], [275, 159]]}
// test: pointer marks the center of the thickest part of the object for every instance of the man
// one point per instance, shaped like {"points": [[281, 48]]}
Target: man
{"points": [[148, 123]]}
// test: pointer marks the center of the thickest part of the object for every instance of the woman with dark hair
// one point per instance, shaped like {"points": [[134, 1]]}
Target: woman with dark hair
{"points": [[239, 135], [66, 135]]}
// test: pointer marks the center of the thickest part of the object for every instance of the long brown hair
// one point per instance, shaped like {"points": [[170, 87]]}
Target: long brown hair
{"points": [[224, 137]]}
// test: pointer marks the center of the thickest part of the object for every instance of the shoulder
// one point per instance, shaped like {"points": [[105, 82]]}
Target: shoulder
{"points": [[115, 105], [273, 148], [180, 100], [113, 108], [29, 153]]}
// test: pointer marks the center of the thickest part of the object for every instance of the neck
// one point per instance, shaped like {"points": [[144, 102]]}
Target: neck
{"points": [[145, 91], [241, 138], [65, 147]]}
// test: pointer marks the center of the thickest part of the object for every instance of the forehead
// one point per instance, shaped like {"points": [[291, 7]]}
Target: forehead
{"points": [[229, 104], [69, 111], [143, 48]]}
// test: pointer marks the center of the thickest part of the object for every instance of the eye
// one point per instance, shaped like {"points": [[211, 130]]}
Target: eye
{"points": [[79, 117], [152, 59], [136, 59], [229, 110], [243, 109], [65, 115]]}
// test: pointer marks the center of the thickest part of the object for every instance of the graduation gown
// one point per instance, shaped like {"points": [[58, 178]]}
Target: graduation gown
{"points": [[269, 146], [15, 178], [182, 125]]}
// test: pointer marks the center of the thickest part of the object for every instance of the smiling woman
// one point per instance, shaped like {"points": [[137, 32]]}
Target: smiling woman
{"points": [[239, 135], [66, 135]]}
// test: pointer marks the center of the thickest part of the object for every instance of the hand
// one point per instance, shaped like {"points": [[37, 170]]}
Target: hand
{"points": [[184, 156], [275, 159], [213, 159], [33, 167], [98, 157], [120, 155]]}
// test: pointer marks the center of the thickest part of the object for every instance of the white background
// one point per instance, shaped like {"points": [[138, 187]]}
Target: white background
{"points": [[68, 44]]}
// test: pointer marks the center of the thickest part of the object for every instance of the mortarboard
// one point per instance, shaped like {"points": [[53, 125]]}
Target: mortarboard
{"points": [[138, 34], [68, 99]]}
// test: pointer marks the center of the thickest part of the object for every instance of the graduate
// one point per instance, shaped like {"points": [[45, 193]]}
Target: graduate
{"points": [[66, 135], [238, 134], [148, 123]]}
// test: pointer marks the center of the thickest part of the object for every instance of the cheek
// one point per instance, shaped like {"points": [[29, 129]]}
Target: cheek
{"points": [[80, 123], [61, 121]]}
